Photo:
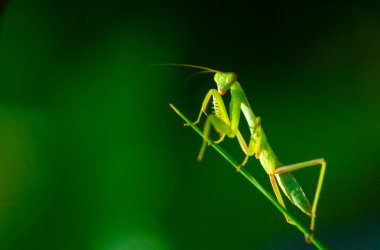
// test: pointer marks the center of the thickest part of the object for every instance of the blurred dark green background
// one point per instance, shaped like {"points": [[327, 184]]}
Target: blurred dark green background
{"points": [[91, 156]]}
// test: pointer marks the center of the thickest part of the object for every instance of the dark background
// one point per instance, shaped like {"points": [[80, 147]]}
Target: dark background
{"points": [[92, 157]]}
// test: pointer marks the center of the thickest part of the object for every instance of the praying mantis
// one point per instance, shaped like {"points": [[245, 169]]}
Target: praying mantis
{"points": [[227, 124]]}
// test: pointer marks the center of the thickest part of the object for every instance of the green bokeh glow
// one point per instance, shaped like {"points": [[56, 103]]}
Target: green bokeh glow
{"points": [[91, 156]]}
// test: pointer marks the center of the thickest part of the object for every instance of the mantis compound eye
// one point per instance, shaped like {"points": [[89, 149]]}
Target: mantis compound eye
{"points": [[231, 78]]}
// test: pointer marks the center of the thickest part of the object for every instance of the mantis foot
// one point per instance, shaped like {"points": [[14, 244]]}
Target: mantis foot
{"points": [[309, 238]]}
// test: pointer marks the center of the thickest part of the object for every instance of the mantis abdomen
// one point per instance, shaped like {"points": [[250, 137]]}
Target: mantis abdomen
{"points": [[294, 192]]}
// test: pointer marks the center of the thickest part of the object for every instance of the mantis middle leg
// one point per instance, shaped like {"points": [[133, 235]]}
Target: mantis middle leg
{"points": [[254, 144]]}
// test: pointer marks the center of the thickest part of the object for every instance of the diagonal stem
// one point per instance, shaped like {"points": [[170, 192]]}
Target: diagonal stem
{"points": [[251, 179]]}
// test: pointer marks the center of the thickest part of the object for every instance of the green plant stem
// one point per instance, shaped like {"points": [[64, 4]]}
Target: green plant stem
{"points": [[251, 179]]}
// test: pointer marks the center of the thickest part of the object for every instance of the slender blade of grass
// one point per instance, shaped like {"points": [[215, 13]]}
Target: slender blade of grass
{"points": [[252, 180]]}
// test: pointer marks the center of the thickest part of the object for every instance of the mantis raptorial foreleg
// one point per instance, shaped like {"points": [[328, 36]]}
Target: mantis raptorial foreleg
{"points": [[219, 104], [219, 125], [220, 121]]}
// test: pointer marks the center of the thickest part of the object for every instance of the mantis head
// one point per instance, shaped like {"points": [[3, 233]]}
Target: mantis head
{"points": [[224, 81]]}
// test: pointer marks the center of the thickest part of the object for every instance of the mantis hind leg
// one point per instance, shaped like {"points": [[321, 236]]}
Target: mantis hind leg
{"points": [[306, 164], [278, 195]]}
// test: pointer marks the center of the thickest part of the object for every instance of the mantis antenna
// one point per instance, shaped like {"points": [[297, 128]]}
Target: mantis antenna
{"points": [[190, 66]]}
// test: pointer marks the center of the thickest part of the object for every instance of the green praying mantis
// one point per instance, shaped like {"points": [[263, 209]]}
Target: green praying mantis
{"points": [[227, 124]]}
